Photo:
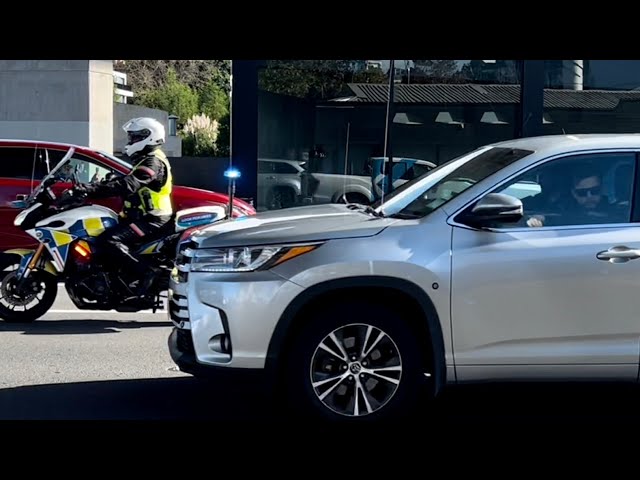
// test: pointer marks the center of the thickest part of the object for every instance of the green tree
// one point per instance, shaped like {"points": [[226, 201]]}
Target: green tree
{"points": [[214, 101], [144, 75], [374, 75], [313, 79], [437, 71], [501, 71], [223, 148], [173, 97]]}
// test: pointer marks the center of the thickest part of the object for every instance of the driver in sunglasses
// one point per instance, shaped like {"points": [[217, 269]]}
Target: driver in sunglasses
{"points": [[587, 192], [586, 204]]}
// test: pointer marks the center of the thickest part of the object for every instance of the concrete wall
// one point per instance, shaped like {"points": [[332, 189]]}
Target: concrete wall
{"points": [[57, 100], [101, 104], [124, 112]]}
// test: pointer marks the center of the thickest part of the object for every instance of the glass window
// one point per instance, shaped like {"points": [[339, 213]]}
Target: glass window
{"points": [[285, 168], [444, 108], [415, 169], [334, 116], [591, 96], [265, 166], [576, 190], [308, 111], [87, 169], [18, 162]]}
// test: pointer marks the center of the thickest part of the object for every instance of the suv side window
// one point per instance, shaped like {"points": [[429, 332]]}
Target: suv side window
{"points": [[280, 167], [265, 167], [582, 189], [17, 162]]}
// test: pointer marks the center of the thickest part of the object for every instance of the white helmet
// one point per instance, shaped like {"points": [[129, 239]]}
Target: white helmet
{"points": [[143, 133]]}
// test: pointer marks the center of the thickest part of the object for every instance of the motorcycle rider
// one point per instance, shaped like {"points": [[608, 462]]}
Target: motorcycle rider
{"points": [[146, 191]]}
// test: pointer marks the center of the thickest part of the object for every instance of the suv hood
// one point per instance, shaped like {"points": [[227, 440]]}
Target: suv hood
{"points": [[292, 225]]}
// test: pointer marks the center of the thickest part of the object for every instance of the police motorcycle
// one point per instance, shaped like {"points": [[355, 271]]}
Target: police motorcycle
{"points": [[66, 229]]}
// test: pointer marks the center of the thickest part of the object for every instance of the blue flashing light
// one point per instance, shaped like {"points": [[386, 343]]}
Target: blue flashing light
{"points": [[232, 173]]}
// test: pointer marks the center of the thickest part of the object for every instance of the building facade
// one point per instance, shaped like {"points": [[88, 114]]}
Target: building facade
{"points": [[84, 102], [61, 100], [332, 117]]}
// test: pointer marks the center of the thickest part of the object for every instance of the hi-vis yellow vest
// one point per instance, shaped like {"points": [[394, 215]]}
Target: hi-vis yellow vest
{"points": [[152, 202]]}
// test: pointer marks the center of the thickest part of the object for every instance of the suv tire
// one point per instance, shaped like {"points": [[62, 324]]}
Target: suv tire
{"points": [[386, 371]]}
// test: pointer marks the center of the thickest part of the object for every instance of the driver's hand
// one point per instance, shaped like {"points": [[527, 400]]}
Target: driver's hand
{"points": [[536, 221]]}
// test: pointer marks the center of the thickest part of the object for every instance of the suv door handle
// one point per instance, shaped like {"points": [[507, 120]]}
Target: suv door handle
{"points": [[618, 254]]}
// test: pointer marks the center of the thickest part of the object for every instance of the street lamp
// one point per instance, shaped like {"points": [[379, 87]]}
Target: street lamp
{"points": [[173, 125]]}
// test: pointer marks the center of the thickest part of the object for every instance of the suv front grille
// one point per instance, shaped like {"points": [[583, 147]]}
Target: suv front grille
{"points": [[178, 308]]}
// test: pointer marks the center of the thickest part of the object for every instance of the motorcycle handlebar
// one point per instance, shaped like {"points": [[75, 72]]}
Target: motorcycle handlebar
{"points": [[70, 197]]}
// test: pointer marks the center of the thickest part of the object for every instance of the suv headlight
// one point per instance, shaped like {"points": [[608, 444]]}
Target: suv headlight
{"points": [[245, 259]]}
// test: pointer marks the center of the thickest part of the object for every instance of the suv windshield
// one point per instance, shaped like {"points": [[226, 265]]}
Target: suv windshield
{"points": [[433, 189]]}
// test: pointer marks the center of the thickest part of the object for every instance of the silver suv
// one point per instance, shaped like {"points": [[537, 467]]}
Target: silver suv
{"points": [[515, 261]]}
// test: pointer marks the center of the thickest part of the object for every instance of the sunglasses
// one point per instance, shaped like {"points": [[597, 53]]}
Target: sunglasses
{"points": [[582, 192]]}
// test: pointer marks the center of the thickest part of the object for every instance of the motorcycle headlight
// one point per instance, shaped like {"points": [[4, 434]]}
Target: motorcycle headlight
{"points": [[245, 259]]}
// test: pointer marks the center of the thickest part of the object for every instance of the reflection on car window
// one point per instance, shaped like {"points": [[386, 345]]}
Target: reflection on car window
{"points": [[265, 167], [87, 169], [281, 167], [414, 171], [575, 190], [19, 162], [440, 185]]}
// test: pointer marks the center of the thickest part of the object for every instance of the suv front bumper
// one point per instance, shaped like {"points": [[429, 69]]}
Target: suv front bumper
{"points": [[224, 320], [183, 355]]}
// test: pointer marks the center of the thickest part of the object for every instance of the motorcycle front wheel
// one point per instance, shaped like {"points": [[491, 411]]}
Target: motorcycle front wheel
{"points": [[29, 303]]}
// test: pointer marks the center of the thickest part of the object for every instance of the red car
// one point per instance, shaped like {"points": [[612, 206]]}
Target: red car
{"points": [[23, 163]]}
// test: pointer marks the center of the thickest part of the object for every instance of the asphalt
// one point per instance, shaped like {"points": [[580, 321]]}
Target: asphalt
{"points": [[73, 365]]}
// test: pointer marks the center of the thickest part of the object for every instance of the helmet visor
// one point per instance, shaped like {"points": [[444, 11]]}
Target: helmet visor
{"points": [[137, 136]]}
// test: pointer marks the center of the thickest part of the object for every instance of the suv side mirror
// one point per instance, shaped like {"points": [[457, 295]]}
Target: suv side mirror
{"points": [[494, 207]]}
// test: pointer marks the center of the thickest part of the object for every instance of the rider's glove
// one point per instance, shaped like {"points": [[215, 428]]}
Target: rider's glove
{"points": [[81, 189]]}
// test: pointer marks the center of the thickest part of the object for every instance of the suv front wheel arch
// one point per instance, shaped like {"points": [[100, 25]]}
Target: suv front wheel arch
{"points": [[359, 301]]}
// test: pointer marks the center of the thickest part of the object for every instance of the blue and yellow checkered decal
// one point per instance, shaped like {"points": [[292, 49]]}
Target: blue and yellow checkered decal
{"points": [[91, 227], [57, 241]]}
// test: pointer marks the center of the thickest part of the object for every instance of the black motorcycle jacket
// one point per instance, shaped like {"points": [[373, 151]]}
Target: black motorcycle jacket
{"points": [[150, 172]]}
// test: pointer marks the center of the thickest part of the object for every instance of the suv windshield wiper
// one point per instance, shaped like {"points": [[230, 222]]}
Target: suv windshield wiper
{"points": [[366, 209], [404, 215]]}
